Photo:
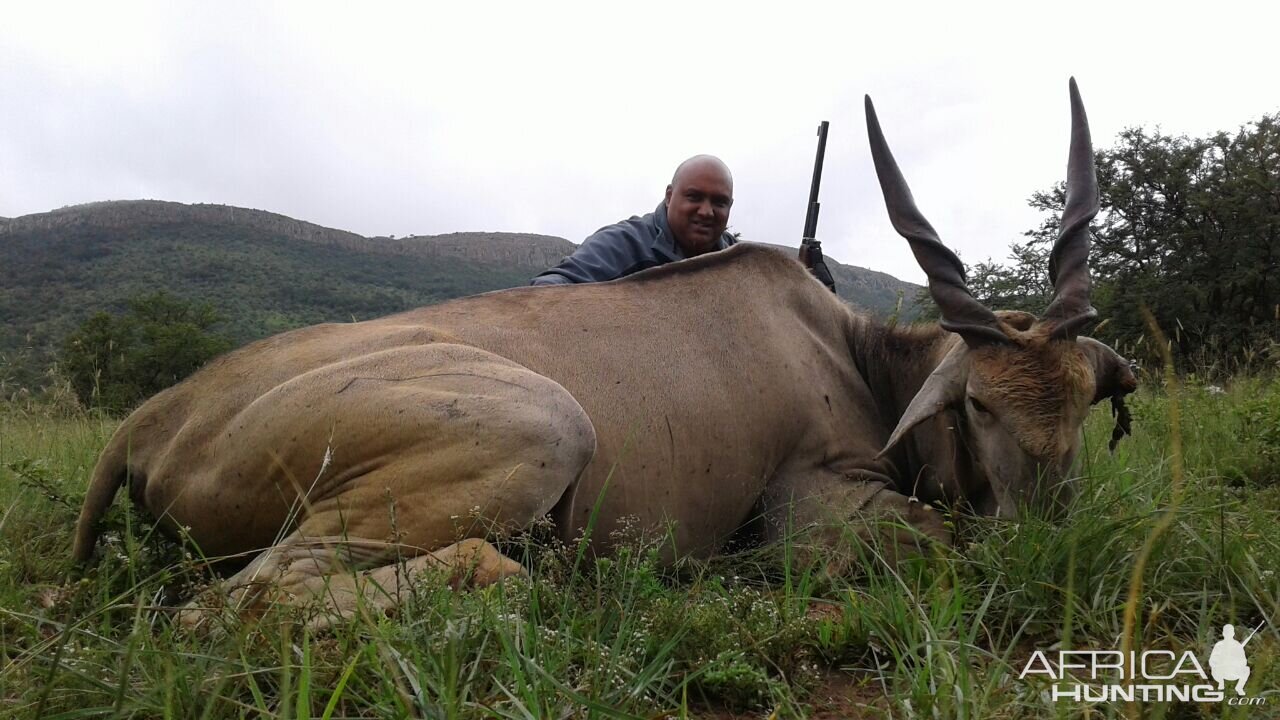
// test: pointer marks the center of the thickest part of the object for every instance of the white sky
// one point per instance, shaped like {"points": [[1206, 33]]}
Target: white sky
{"points": [[425, 118]]}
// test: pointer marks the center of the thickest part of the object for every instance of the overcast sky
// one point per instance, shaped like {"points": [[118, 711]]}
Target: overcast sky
{"points": [[558, 119]]}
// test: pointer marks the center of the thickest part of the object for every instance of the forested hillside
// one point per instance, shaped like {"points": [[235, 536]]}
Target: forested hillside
{"points": [[262, 273], [260, 277]]}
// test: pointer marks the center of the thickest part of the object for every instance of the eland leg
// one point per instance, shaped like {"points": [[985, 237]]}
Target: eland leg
{"points": [[838, 518], [428, 450], [340, 578]]}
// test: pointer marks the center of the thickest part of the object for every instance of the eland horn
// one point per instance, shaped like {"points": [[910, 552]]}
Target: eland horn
{"points": [[1070, 310], [960, 312]]}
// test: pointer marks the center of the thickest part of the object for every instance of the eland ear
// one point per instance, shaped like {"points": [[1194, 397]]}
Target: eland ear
{"points": [[1111, 371], [1113, 378], [944, 387]]}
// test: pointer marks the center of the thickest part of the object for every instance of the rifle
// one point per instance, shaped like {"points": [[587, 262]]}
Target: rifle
{"points": [[810, 248], [1255, 632]]}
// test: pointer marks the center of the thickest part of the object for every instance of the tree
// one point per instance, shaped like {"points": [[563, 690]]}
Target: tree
{"points": [[1021, 285], [1189, 228], [115, 361]]}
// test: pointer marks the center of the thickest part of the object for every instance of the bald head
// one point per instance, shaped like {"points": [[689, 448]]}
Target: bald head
{"points": [[698, 202], [703, 163]]}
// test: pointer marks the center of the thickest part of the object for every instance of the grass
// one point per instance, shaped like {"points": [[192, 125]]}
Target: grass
{"points": [[753, 634]]}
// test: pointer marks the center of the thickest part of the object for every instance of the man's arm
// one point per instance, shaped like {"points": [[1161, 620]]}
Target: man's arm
{"points": [[609, 254], [551, 276]]}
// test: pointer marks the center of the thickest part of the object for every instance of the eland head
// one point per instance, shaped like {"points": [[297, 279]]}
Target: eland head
{"points": [[1019, 386]]}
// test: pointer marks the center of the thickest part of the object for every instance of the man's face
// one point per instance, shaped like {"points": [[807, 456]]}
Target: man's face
{"points": [[698, 203]]}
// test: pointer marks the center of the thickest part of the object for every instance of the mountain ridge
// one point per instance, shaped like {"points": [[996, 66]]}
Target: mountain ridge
{"points": [[262, 271], [538, 249]]}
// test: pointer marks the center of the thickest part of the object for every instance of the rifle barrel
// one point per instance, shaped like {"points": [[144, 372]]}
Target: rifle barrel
{"points": [[1255, 632], [811, 216]]}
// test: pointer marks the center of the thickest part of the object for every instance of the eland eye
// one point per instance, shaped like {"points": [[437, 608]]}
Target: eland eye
{"points": [[977, 405]]}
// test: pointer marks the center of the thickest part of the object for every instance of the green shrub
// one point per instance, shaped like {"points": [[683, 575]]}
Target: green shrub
{"points": [[114, 362]]}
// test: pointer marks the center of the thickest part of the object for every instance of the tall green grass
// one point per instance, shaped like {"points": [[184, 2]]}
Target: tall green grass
{"points": [[754, 634]]}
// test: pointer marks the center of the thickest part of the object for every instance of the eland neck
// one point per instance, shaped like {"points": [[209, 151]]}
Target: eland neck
{"points": [[895, 362]]}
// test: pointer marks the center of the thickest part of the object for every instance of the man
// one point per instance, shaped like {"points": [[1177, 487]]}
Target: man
{"points": [[690, 221]]}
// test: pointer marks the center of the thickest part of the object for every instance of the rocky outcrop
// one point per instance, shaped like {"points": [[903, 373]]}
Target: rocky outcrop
{"points": [[536, 252]]}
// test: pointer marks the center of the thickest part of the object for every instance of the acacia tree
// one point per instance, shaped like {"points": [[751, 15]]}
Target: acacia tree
{"points": [[115, 361]]}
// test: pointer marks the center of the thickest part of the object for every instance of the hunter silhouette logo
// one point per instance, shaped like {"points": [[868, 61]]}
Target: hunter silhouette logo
{"points": [[1227, 661], [1097, 676]]}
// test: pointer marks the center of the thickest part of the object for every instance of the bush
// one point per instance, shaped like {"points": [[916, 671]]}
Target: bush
{"points": [[115, 362]]}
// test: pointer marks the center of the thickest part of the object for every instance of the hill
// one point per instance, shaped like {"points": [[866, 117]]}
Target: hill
{"points": [[263, 272], [870, 290]]}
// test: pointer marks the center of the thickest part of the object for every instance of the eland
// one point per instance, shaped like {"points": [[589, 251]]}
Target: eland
{"points": [[724, 394]]}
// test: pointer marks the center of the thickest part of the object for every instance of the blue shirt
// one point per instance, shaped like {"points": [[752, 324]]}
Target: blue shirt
{"points": [[620, 250]]}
